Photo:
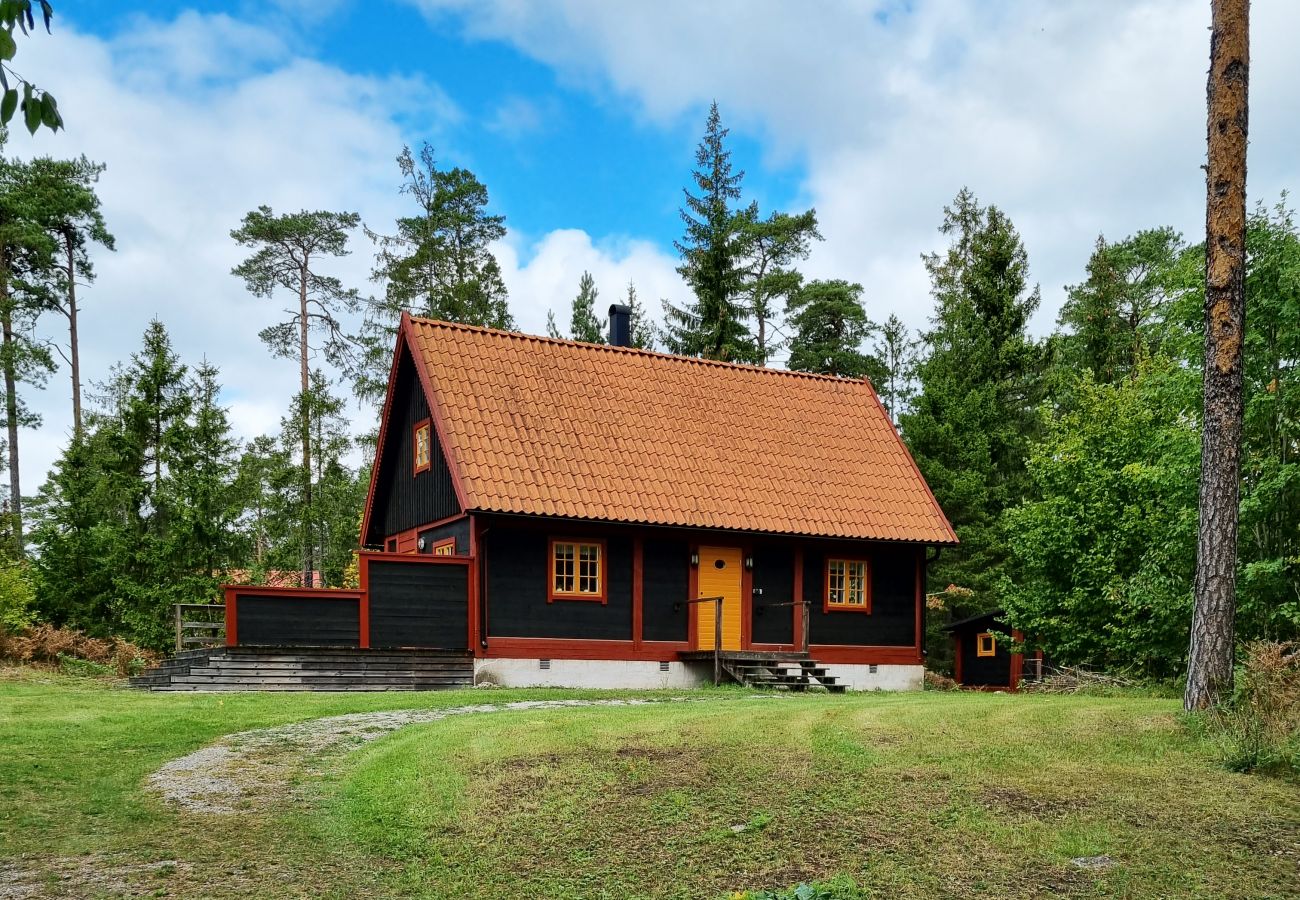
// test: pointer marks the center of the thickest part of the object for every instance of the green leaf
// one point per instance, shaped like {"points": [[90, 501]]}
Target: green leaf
{"points": [[8, 46], [50, 112], [47, 13], [32, 114], [8, 105]]}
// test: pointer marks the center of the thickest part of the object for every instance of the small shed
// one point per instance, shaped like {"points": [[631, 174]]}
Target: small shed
{"points": [[982, 656]]}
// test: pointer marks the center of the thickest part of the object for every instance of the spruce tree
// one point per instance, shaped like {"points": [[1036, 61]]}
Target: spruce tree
{"points": [[979, 382], [584, 324], [829, 326], [896, 349], [713, 326], [643, 330]]}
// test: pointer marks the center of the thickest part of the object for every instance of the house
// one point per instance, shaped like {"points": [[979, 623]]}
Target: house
{"points": [[983, 657], [557, 510]]}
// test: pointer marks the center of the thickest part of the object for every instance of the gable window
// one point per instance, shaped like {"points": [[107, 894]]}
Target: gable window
{"points": [[847, 585], [445, 548], [986, 644], [577, 570], [423, 447]]}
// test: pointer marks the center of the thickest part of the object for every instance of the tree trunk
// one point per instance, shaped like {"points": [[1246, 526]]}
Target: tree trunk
{"points": [[74, 353], [1209, 667], [11, 416], [308, 566]]}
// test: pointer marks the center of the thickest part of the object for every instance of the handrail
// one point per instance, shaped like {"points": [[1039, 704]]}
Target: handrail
{"points": [[806, 604], [196, 633], [717, 635]]}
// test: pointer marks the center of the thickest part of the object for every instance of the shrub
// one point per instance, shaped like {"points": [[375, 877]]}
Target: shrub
{"points": [[51, 646], [17, 597], [1259, 729]]}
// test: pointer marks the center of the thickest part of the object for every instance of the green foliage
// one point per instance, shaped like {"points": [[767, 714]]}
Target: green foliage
{"points": [[1102, 559], [39, 107], [771, 247], [896, 349], [980, 378], [830, 326], [842, 888], [437, 263], [584, 324], [643, 330], [1258, 730], [17, 597]]}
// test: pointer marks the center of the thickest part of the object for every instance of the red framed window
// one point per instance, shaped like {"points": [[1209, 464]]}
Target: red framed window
{"points": [[577, 570], [445, 547], [422, 446], [848, 585]]}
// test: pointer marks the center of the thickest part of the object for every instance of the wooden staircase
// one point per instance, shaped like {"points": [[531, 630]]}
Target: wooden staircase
{"points": [[309, 669], [777, 671]]}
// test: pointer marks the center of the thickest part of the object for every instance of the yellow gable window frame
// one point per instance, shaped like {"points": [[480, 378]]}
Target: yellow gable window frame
{"points": [[577, 570], [848, 585], [986, 644]]}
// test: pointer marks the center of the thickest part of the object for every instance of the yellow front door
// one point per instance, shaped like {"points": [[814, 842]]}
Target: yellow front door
{"points": [[719, 576]]}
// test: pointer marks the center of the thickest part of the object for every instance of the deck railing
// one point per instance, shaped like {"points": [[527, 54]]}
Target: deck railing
{"points": [[199, 624], [717, 635]]}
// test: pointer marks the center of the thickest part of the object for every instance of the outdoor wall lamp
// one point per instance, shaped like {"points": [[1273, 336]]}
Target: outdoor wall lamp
{"points": [[749, 563], [419, 545], [695, 559]]}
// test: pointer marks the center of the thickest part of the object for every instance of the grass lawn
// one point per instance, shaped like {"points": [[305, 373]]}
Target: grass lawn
{"points": [[920, 795]]}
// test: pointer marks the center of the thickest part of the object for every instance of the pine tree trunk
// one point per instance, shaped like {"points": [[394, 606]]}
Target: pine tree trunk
{"points": [[74, 352], [11, 415], [308, 566], [1209, 668]]}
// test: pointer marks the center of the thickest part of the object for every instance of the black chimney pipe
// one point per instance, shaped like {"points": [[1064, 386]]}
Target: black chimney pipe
{"points": [[620, 325]]}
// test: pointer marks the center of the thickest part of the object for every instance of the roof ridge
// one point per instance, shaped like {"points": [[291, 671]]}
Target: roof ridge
{"points": [[614, 348]]}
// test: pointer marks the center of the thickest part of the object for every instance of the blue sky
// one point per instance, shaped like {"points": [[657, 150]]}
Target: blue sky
{"points": [[1076, 117]]}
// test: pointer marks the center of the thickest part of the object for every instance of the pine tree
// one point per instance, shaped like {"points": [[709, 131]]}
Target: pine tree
{"points": [[830, 326], [552, 330], [770, 247], [896, 349], [979, 381], [584, 324], [713, 326], [437, 263], [288, 251]]}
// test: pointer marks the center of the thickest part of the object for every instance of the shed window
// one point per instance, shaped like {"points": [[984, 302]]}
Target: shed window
{"points": [[445, 548], [423, 446], [848, 585], [986, 644], [577, 570]]}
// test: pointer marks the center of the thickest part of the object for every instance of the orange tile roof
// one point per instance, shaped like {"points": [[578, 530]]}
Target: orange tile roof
{"points": [[561, 428]]}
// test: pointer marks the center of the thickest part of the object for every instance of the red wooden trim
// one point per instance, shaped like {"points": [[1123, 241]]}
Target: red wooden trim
{"points": [[363, 614], [437, 416], [232, 618], [406, 541], [956, 657], [920, 601], [416, 468], [1017, 659], [379, 441], [314, 593], [638, 590], [564, 648], [827, 606], [692, 593], [746, 598], [552, 594], [478, 597], [847, 653], [798, 596]]}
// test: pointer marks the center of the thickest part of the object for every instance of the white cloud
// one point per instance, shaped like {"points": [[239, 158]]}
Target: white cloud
{"points": [[1076, 117]]}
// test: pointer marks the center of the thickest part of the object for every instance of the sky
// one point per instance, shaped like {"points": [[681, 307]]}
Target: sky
{"points": [[1077, 117]]}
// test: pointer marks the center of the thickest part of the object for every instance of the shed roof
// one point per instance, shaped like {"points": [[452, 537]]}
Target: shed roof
{"points": [[549, 427]]}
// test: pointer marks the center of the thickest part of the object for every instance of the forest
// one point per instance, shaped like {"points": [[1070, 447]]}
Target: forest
{"points": [[1067, 463]]}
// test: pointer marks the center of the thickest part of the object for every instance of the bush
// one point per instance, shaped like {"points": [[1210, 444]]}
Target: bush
{"points": [[936, 682], [835, 889], [17, 597], [64, 647], [1259, 729]]}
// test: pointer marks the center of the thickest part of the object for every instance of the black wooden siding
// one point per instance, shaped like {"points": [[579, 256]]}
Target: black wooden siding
{"points": [[402, 500], [415, 604], [276, 621], [892, 620], [773, 578], [665, 583], [458, 529], [517, 572], [983, 671]]}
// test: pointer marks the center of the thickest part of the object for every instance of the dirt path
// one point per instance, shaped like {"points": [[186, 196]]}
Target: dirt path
{"points": [[253, 769]]}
